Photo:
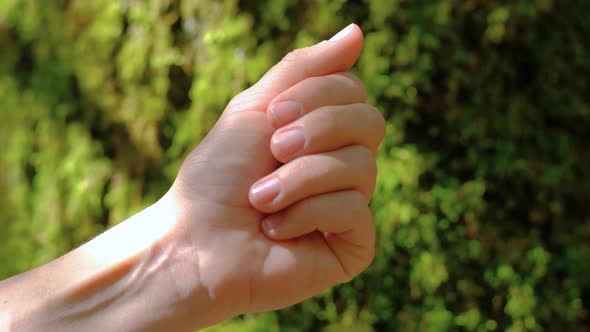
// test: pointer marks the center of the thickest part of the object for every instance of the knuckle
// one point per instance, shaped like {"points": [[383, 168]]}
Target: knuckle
{"points": [[330, 85], [333, 124], [246, 100], [377, 122], [320, 84], [353, 203], [235, 102], [358, 201], [304, 165], [296, 58], [357, 83], [366, 160], [372, 170], [364, 226], [367, 167], [334, 84], [368, 226], [306, 207], [357, 208], [296, 55], [363, 170]]}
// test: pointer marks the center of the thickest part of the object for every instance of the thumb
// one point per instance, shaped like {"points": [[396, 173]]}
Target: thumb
{"points": [[236, 153], [329, 56]]}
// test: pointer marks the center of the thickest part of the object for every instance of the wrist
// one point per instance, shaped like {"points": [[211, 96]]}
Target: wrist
{"points": [[115, 274], [139, 275], [153, 273], [205, 278]]}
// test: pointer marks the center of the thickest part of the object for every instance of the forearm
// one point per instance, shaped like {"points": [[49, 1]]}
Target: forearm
{"points": [[135, 277]]}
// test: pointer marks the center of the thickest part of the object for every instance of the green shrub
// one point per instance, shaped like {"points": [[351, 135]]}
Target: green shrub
{"points": [[483, 196]]}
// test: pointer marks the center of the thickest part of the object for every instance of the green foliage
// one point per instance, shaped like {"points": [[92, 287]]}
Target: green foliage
{"points": [[482, 204]]}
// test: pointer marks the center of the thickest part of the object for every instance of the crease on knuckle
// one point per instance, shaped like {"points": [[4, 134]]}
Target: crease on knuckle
{"points": [[322, 85], [357, 83], [367, 169], [246, 100], [335, 125], [356, 206], [377, 121], [296, 57], [308, 167], [294, 60]]}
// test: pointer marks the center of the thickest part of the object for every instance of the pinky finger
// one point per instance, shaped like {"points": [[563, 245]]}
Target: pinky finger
{"points": [[345, 223], [344, 214]]}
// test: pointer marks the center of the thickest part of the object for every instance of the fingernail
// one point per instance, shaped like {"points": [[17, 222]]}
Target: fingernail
{"points": [[286, 112], [266, 191], [342, 33], [269, 225], [288, 142]]}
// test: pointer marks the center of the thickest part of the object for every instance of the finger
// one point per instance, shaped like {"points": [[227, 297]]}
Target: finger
{"points": [[349, 168], [327, 129], [343, 217], [326, 57], [338, 212], [313, 93]]}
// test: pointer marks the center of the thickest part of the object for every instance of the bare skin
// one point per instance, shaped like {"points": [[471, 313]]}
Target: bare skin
{"points": [[270, 209]]}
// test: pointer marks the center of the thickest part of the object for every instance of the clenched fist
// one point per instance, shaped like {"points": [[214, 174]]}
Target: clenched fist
{"points": [[276, 197], [269, 209]]}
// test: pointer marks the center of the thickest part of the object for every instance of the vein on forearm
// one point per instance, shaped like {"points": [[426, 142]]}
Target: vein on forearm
{"points": [[118, 274], [109, 287]]}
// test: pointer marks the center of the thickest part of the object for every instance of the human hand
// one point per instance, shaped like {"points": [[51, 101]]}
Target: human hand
{"points": [[238, 232], [303, 226]]}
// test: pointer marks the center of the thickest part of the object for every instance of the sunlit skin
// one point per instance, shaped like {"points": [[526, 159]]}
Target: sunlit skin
{"points": [[269, 209]]}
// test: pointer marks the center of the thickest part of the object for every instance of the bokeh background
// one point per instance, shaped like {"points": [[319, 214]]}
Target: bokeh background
{"points": [[483, 198]]}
